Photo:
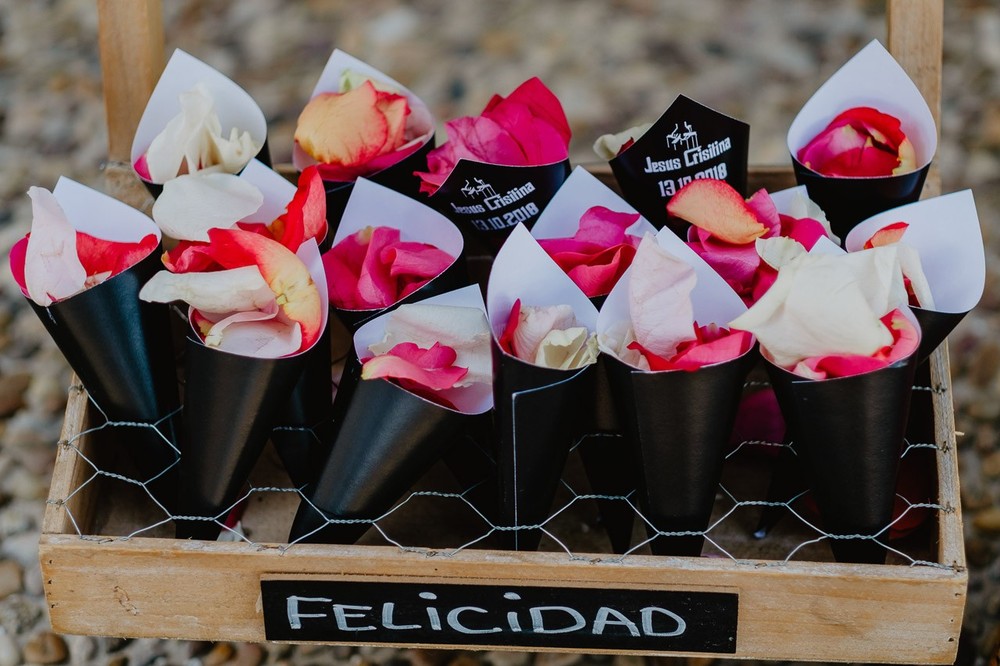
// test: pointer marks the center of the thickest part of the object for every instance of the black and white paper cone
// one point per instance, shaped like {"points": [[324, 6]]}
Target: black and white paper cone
{"points": [[871, 78], [946, 234], [397, 176], [677, 423], [372, 204], [234, 106], [387, 439], [537, 408], [688, 141]]}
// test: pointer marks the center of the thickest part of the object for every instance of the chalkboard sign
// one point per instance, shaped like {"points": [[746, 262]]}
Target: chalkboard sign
{"points": [[510, 615]]}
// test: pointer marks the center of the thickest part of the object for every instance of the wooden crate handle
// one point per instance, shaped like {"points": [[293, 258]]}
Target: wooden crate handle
{"points": [[131, 47]]}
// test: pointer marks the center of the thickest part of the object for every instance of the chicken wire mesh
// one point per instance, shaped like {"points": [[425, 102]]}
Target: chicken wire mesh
{"points": [[437, 518]]}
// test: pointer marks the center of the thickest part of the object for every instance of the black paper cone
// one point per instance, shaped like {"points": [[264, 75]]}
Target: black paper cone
{"points": [[848, 201], [121, 349], [849, 432], [453, 277], [680, 424], [608, 462], [472, 461], [934, 328], [235, 108], [688, 141], [398, 177], [231, 403], [305, 421], [487, 201], [386, 441], [537, 421]]}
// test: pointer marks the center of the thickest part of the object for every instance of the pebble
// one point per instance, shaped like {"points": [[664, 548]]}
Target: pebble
{"points": [[504, 658], [22, 548], [988, 520], [19, 612], [10, 653], [12, 389], [248, 654], [82, 649], [557, 659], [10, 578], [218, 655], [46, 648]]}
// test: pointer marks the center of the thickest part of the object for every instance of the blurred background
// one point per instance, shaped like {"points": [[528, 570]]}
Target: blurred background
{"points": [[613, 64]]}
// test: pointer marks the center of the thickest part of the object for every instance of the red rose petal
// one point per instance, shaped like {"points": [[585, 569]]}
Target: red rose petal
{"points": [[805, 230], [415, 260], [860, 142], [542, 103], [597, 274], [305, 216], [99, 256], [17, 256], [715, 345], [341, 282], [506, 341]]}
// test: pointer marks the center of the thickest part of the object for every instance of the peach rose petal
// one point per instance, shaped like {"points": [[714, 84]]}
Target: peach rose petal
{"points": [[713, 205]]}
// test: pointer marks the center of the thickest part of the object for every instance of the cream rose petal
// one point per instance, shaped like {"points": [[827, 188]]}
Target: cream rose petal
{"points": [[909, 261], [536, 323], [607, 146], [567, 349], [52, 268], [800, 206], [220, 322], [192, 204], [272, 338], [659, 298], [778, 250], [218, 292], [464, 329], [192, 141], [826, 304]]}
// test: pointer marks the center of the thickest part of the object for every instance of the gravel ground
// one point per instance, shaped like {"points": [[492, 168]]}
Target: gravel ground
{"points": [[612, 64]]}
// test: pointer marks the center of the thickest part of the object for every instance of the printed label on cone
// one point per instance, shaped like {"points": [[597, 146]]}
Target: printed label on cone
{"points": [[491, 199], [689, 141], [531, 617]]}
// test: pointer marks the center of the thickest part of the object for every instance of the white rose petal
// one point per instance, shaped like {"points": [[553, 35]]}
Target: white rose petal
{"points": [[237, 289], [827, 304], [52, 268], [607, 146], [190, 205], [659, 296]]}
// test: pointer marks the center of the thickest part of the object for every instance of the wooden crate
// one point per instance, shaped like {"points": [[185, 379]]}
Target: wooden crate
{"points": [[143, 586], [99, 583]]}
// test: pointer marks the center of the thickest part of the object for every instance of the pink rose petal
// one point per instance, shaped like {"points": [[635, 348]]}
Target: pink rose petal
{"points": [[429, 368]]}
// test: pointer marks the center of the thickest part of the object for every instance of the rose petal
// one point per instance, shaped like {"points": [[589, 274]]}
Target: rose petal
{"points": [[305, 216], [376, 287], [189, 256], [223, 291], [506, 340], [605, 227], [408, 260], [52, 268], [541, 102], [463, 329], [859, 142], [609, 146], [284, 272], [193, 141], [536, 322], [891, 233], [713, 205], [659, 294], [597, 274], [429, 368], [103, 256], [262, 339], [824, 305], [190, 205], [347, 131], [567, 349]]}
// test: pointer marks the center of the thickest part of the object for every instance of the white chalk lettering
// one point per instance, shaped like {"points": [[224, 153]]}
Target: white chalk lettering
{"points": [[538, 621], [387, 609], [647, 622], [342, 616], [295, 616], [603, 619], [432, 613], [456, 624]]}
